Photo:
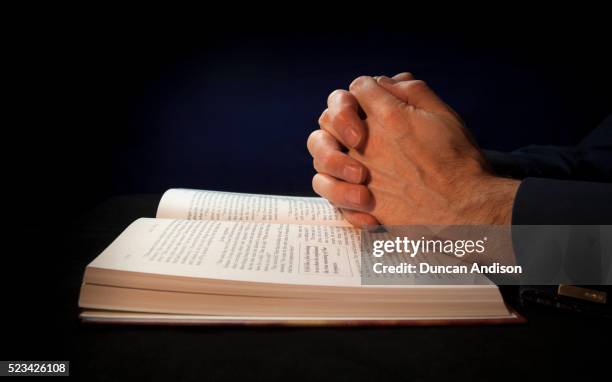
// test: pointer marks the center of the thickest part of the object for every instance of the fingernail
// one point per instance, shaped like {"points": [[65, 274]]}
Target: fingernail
{"points": [[352, 137], [385, 80], [354, 197], [352, 172]]}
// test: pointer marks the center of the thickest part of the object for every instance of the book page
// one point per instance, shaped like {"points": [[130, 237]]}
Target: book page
{"points": [[302, 254], [241, 251], [116, 316], [230, 206]]}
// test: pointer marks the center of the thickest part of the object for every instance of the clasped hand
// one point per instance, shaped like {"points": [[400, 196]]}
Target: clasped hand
{"points": [[390, 151]]}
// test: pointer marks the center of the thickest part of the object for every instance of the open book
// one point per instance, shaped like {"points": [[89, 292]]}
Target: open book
{"points": [[228, 258]]}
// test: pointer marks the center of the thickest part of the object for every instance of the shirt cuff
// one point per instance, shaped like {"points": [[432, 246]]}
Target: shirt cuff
{"points": [[553, 201]]}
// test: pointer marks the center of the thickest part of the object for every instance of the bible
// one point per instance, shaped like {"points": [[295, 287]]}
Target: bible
{"points": [[222, 258]]}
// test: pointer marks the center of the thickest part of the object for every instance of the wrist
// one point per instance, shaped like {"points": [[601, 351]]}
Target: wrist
{"points": [[491, 200]]}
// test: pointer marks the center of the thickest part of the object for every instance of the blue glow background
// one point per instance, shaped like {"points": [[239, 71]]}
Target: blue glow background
{"points": [[143, 107]]}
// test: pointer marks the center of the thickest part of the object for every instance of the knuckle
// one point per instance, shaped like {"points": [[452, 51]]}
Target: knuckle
{"points": [[418, 85], [413, 86], [313, 138], [406, 76], [359, 82], [336, 94], [316, 184], [324, 117]]}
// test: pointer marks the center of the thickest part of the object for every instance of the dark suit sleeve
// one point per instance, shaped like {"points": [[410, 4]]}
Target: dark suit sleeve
{"points": [[562, 185]]}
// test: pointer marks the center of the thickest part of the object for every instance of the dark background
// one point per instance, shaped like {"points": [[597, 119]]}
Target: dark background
{"points": [[105, 103], [111, 103]]}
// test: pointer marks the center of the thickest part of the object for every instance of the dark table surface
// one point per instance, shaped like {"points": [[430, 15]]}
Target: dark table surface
{"points": [[40, 323]]}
